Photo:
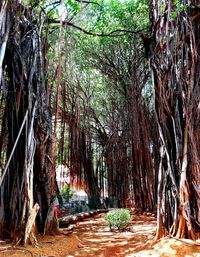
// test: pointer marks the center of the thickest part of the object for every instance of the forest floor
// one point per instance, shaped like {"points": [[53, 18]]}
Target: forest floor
{"points": [[93, 238]]}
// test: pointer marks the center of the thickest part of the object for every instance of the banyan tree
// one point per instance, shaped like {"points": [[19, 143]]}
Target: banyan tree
{"points": [[114, 148], [174, 57], [27, 182]]}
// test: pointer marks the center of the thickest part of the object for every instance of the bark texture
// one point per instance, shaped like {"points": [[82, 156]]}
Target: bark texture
{"points": [[175, 73], [27, 178]]}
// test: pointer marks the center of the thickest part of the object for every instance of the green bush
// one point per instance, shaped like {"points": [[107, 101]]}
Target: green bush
{"points": [[67, 193], [119, 218]]}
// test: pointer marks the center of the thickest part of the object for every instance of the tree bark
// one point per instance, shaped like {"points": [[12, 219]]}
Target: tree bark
{"points": [[28, 179], [175, 64]]}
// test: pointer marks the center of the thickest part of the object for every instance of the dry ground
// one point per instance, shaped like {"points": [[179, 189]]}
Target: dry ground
{"points": [[92, 238]]}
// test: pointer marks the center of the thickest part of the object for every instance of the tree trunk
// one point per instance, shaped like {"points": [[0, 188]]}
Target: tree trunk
{"points": [[175, 65], [27, 176]]}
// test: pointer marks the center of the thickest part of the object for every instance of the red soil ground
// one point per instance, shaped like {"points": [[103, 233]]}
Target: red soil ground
{"points": [[92, 238]]}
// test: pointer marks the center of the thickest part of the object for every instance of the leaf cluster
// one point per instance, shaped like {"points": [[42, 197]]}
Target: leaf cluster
{"points": [[67, 192], [119, 218]]}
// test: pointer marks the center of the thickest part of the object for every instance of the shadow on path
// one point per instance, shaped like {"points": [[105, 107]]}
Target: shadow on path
{"points": [[97, 239]]}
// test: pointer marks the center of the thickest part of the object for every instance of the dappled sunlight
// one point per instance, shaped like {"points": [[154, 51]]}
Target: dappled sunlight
{"points": [[92, 238], [100, 241], [166, 247], [137, 241]]}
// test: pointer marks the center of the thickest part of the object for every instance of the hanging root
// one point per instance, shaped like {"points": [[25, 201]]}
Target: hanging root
{"points": [[29, 235]]}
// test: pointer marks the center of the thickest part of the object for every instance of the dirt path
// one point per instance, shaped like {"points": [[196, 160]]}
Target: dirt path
{"points": [[92, 238], [97, 239]]}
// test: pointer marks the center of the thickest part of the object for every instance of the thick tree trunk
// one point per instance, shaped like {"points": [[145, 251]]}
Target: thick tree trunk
{"points": [[175, 65], [27, 177], [90, 179]]}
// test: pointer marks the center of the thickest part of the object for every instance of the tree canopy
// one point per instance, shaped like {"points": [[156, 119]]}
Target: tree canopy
{"points": [[110, 90]]}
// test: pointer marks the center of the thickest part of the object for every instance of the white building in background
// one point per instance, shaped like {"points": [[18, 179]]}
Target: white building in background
{"points": [[80, 196], [62, 176]]}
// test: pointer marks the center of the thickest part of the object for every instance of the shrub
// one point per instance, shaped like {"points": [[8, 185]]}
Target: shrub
{"points": [[67, 193], [119, 218]]}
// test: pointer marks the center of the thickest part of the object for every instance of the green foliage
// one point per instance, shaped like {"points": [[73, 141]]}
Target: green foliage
{"points": [[67, 193], [178, 6], [118, 218], [73, 6], [102, 65], [26, 2]]}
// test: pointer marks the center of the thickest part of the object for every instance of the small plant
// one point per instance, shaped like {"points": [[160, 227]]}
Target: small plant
{"points": [[67, 193], [119, 218]]}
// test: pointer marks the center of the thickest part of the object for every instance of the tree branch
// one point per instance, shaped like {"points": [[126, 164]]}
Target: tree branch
{"points": [[120, 32], [110, 34], [88, 2], [80, 1]]}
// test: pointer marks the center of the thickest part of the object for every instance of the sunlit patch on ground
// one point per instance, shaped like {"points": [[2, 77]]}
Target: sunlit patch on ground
{"points": [[138, 241], [93, 238], [103, 242]]}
